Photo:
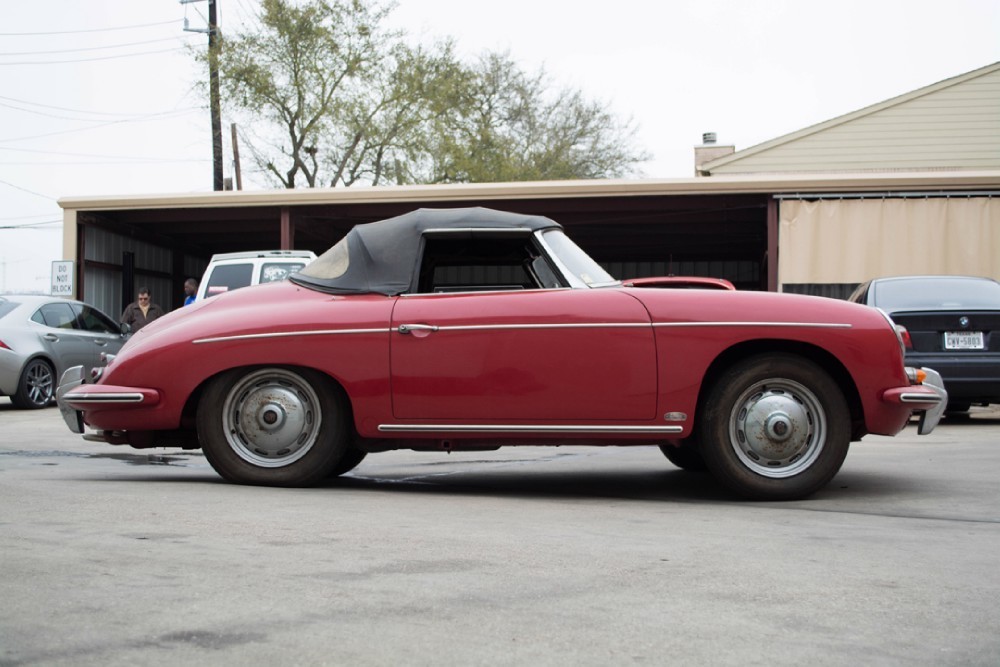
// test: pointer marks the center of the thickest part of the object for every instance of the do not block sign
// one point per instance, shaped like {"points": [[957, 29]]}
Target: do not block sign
{"points": [[62, 278]]}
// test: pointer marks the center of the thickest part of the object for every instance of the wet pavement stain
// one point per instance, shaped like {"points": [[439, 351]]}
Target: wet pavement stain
{"points": [[211, 640], [131, 459]]}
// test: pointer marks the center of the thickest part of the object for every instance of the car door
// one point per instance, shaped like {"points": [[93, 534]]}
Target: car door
{"points": [[565, 355], [96, 327], [58, 333]]}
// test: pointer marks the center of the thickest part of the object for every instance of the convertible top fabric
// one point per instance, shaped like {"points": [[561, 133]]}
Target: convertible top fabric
{"points": [[384, 255]]}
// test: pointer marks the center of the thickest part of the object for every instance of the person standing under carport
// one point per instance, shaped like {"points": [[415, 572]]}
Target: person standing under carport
{"points": [[190, 291], [142, 311]]}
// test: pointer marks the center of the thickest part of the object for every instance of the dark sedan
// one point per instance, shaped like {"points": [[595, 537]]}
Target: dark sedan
{"points": [[950, 323]]}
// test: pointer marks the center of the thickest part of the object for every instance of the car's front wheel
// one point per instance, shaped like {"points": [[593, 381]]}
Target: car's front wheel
{"points": [[775, 427], [36, 386], [273, 426]]}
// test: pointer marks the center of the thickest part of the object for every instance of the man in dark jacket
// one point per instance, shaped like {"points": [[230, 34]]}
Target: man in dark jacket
{"points": [[141, 312]]}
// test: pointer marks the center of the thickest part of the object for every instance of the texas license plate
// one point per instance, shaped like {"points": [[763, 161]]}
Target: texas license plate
{"points": [[963, 340]]}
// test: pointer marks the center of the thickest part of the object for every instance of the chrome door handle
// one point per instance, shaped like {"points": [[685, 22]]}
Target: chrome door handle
{"points": [[410, 328], [51, 337]]}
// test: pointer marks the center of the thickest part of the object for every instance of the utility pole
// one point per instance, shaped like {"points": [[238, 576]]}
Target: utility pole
{"points": [[236, 159], [213, 88]]}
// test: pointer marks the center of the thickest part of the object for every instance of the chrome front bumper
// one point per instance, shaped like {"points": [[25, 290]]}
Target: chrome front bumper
{"points": [[72, 378]]}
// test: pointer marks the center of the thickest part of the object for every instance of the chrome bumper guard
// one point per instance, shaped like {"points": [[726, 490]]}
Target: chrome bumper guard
{"points": [[929, 418], [73, 377]]}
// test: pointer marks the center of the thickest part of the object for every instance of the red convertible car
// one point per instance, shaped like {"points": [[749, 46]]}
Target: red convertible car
{"points": [[470, 329]]}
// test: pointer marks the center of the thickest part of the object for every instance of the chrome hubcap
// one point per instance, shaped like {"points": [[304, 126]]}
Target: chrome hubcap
{"points": [[778, 428], [271, 418]]}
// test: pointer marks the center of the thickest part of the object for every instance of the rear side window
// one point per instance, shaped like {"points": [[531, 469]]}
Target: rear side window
{"points": [[229, 277], [273, 272]]}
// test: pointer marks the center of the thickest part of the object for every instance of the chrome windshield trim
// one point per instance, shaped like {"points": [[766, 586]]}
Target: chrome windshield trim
{"points": [[524, 428], [568, 276], [412, 295], [288, 334], [814, 325], [81, 397], [525, 231]]}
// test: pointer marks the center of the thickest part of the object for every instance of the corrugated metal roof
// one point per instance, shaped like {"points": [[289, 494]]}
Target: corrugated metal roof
{"points": [[427, 194]]}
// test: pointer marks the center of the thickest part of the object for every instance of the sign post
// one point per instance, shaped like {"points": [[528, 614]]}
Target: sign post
{"points": [[62, 278]]}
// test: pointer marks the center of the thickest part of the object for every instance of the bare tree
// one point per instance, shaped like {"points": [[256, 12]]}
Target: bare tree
{"points": [[330, 97]]}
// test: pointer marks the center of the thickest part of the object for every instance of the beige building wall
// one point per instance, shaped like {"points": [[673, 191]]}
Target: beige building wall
{"points": [[854, 240], [953, 124]]}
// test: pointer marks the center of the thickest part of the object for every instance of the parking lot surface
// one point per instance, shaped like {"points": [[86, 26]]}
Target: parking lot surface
{"points": [[542, 556]]}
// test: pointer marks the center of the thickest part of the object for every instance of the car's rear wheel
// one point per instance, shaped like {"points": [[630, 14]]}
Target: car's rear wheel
{"points": [[273, 426], [775, 427], [685, 457], [36, 386]]}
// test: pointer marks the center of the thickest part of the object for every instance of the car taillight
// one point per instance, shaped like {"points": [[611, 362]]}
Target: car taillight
{"points": [[5, 345], [904, 336]]}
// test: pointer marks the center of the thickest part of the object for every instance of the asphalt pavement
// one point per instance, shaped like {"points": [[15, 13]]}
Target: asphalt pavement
{"points": [[521, 556]]}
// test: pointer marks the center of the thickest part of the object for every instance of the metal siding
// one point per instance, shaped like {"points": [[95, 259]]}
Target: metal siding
{"points": [[953, 127], [102, 286], [102, 289]]}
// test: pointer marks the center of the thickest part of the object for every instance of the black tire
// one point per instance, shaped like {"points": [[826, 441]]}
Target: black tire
{"points": [[686, 457], [273, 426], [775, 427], [348, 462], [36, 387], [958, 408]]}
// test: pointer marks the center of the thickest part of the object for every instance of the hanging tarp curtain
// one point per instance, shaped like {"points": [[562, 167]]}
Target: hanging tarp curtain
{"points": [[854, 240]]}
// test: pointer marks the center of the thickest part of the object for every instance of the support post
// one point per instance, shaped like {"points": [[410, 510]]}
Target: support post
{"points": [[771, 259], [287, 229]]}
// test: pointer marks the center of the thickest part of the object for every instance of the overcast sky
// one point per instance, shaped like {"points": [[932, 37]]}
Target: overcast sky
{"points": [[88, 109]]}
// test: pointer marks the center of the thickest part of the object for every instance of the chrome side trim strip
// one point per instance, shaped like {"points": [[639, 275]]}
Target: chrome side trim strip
{"points": [[581, 325], [523, 428], [288, 334], [101, 399], [813, 325], [499, 327]]}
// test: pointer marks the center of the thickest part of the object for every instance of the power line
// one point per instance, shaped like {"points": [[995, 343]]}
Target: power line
{"points": [[52, 115], [89, 48], [49, 106], [26, 217], [87, 60], [77, 32], [156, 116], [101, 157], [30, 192], [49, 163], [82, 120], [32, 224]]}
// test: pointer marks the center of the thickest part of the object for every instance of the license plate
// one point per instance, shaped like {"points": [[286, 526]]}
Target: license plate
{"points": [[963, 340]]}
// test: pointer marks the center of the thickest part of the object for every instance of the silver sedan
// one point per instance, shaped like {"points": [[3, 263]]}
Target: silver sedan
{"points": [[41, 336]]}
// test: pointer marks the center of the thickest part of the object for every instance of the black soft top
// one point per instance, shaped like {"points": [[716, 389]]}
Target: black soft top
{"points": [[384, 255]]}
